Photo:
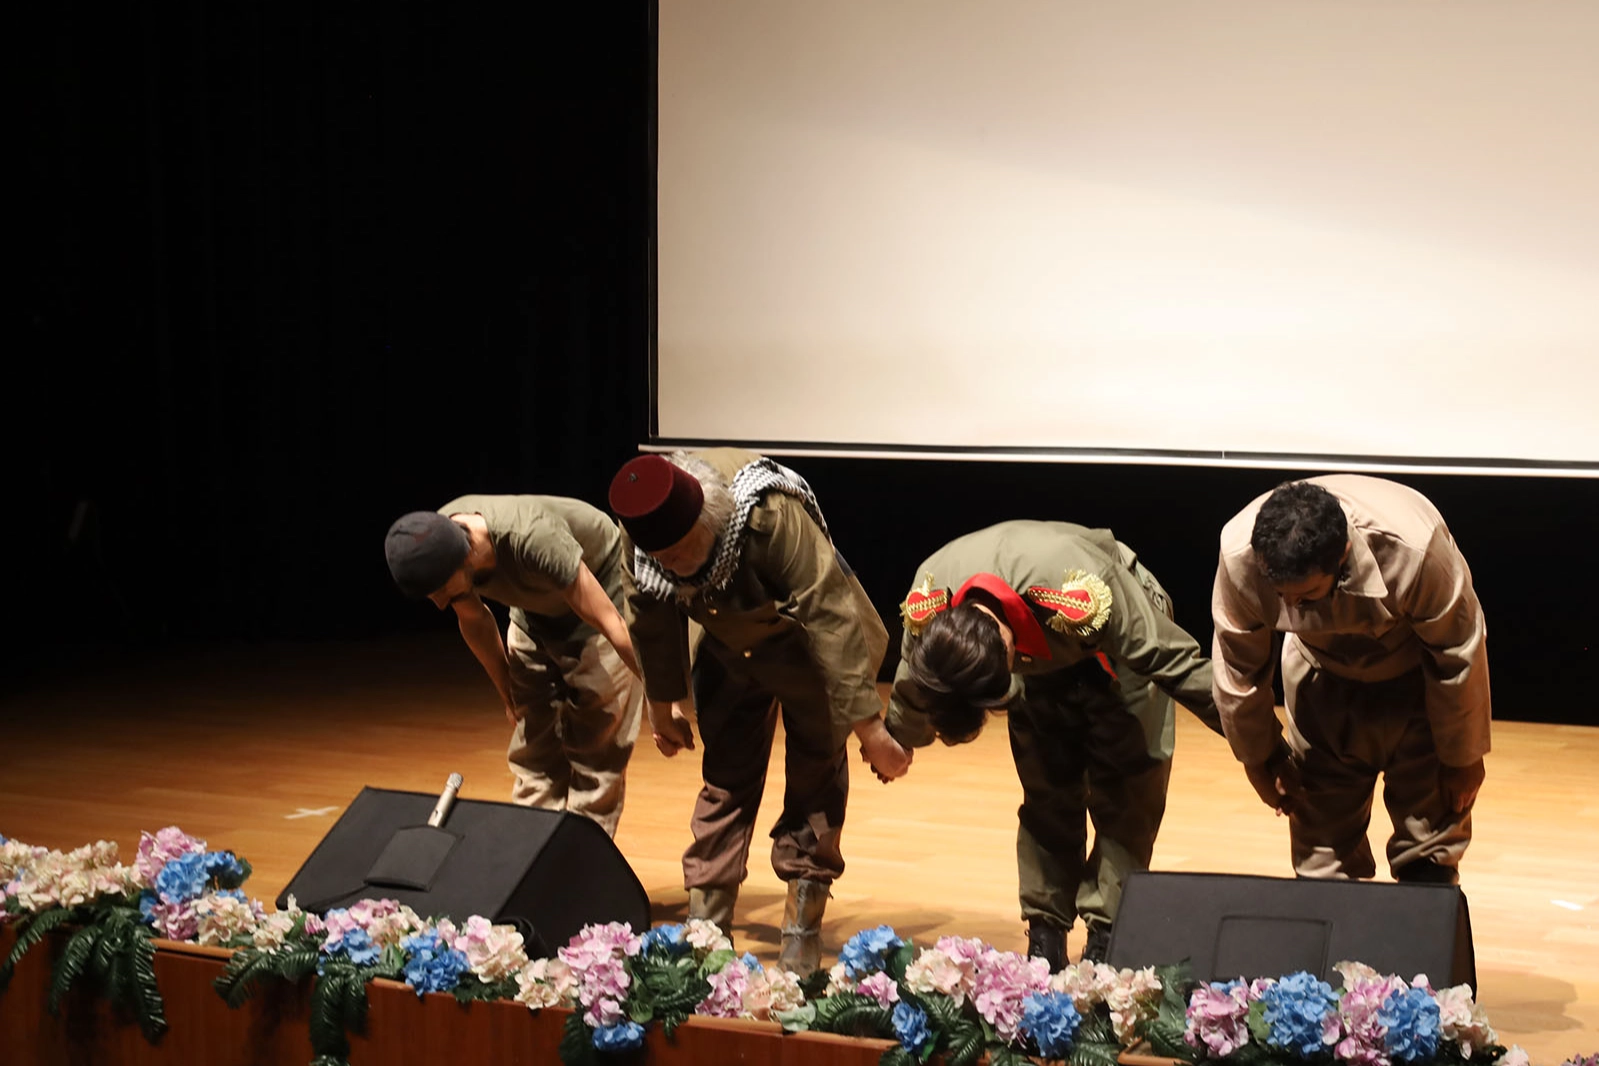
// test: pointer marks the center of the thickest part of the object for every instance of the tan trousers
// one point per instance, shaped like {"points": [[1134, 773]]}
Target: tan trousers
{"points": [[1343, 735], [582, 711]]}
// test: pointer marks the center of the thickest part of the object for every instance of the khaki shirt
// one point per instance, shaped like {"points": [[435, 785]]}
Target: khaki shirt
{"points": [[1404, 600], [1137, 636], [539, 542], [790, 585]]}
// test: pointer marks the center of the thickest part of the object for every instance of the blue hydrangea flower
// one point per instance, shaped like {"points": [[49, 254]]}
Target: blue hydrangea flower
{"points": [[910, 1025], [148, 901], [356, 946], [1051, 1019], [667, 938], [623, 1036], [750, 962], [183, 878], [867, 951], [1295, 1007], [1411, 1020], [224, 866], [430, 966]]}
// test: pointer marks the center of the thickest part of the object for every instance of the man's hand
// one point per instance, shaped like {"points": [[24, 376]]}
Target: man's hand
{"points": [[1459, 785], [1276, 780], [670, 727], [888, 759]]}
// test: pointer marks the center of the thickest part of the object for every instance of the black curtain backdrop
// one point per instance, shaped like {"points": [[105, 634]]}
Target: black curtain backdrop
{"points": [[287, 274]]}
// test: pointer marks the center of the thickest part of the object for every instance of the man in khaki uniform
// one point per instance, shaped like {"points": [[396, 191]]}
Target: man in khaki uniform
{"points": [[1385, 671], [736, 543], [1065, 628], [565, 671]]}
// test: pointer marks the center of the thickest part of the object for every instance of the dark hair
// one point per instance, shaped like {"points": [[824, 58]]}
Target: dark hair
{"points": [[1300, 531], [958, 670]]}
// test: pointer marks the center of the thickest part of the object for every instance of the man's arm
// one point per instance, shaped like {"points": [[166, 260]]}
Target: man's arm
{"points": [[798, 564], [590, 602], [906, 723], [1448, 620], [659, 635], [482, 635], [1151, 644]]}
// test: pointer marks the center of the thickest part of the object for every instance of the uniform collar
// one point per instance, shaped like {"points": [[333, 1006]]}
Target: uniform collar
{"points": [[1361, 574], [1024, 627]]}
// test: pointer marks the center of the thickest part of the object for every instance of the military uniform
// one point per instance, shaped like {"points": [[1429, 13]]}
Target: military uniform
{"points": [[1098, 663], [791, 629], [582, 704], [1388, 675]]}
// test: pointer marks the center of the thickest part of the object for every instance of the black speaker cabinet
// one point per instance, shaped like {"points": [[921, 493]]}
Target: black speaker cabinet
{"points": [[548, 872], [1231, 926]]}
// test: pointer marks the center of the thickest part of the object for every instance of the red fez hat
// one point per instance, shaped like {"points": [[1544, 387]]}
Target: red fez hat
{"points": [[657, 501]]}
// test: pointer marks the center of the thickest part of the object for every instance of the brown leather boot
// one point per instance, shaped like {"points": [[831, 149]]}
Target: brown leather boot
{"points": [[802, 926], [714, 903]]}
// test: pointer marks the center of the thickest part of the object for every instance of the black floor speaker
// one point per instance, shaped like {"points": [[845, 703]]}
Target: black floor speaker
{"points": [[548, 872], [1229, 926]]}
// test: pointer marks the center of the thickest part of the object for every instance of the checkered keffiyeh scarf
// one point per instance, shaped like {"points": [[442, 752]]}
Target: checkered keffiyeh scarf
{"points": [[752, 482]]}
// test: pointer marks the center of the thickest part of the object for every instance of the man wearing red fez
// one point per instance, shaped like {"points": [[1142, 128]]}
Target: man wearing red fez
{"points": [[565, 671], [1065, 629], [1385, 672], [737, 543]]}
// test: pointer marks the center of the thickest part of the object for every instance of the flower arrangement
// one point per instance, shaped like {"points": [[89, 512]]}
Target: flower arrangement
{"points": [[959, 998]]}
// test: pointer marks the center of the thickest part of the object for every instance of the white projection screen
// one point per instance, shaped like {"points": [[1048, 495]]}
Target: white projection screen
{"points": [[1240, 231]]}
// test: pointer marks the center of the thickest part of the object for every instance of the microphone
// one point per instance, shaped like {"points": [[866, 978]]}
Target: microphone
{"points": [[441, 809]]}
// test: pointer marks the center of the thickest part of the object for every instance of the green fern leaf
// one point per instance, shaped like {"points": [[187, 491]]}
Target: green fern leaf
{"points": [[577, 1043], [965, 1044], [327, 1021], [896, 1056], [71, 964], [29, 932], [1094, 1053], [1167, 1039], [149, 1008], [1003, 1055], [295, 964]]}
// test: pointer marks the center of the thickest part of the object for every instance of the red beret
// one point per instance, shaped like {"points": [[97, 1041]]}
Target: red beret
{"points": [[657, 501]]}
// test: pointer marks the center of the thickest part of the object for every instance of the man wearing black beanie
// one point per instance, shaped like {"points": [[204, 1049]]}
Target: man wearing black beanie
{"points": [[565, 671]]}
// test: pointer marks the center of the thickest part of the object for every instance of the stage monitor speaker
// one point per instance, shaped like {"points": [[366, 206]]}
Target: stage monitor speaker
{"points": [[548, 872], [1230, 926]]}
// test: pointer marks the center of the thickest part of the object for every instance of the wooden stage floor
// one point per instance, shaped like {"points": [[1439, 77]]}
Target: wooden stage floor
{"points": [[258, 749]]}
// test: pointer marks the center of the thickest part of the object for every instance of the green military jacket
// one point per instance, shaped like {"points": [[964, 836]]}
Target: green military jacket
{"points": [[1109, 611], [789, 586]]}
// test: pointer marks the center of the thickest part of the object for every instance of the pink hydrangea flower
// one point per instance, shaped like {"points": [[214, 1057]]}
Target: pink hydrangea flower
{"points": [[1516, 1056], [1000, 986], [1461, 1020], [314, 925], [221, 918], [839, 980], [726, 998], [176, 921], [494, 952], [937, 971], [880, 987], [156, 850], [705, 937], [782, 991], [545, 983], [1217, 1016]]}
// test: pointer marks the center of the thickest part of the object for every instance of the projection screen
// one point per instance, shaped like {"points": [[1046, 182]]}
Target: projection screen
{"points": [[1266, 232]]}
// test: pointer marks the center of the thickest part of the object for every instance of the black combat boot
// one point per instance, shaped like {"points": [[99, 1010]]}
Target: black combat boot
{"points": [[1048, 942], [1098, 945]]}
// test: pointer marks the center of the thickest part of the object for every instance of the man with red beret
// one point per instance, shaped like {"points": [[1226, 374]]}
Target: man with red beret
{"points": [[737, 543], [565, 670]]}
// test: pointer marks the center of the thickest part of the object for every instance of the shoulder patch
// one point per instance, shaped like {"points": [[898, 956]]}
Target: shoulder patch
{"points": [[923, 602], [1080, 607]]}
